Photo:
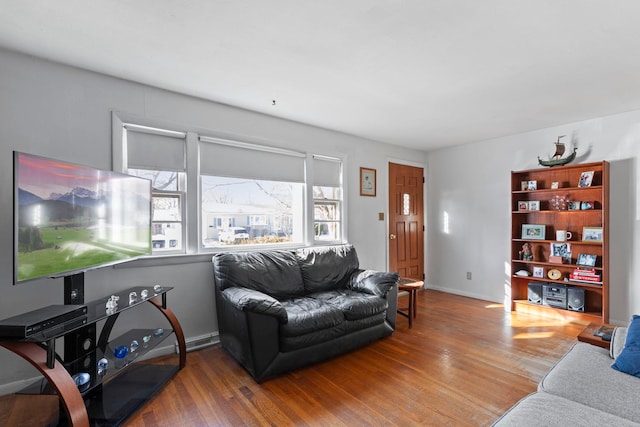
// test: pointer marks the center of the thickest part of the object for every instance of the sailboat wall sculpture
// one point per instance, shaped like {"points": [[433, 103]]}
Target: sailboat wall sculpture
{"points": [[557, 159]]}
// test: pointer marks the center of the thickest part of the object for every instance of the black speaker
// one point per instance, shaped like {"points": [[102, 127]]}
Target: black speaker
{"points": [[534, 293], [575, 299]]}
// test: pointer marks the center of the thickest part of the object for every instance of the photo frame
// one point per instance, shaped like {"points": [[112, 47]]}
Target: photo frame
{"points": [[575, 205], [586, 205], [532, 185], [523, 205], [524, 185], [555, 185], [592, 234], [585, 179], [533, 231], [538, 271], [534, 205], [562, 250], [367, 182], [587, 260]]}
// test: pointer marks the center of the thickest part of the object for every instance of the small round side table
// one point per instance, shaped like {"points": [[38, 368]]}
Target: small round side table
{"points": [[411, 286]]}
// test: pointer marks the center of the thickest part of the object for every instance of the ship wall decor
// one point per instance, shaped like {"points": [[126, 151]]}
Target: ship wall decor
{"points": [[557, 159]]}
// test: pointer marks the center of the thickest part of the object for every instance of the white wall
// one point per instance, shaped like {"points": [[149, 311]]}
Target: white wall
{"points": [[65, 113], [471, 184]]}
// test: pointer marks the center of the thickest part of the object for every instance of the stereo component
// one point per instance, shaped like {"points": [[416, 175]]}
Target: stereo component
{"points": [[534, 292], [44, 320], [554, 296], [575, 299]]}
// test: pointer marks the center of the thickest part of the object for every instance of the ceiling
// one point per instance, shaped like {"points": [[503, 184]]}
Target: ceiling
{"points": [[418, 73]]}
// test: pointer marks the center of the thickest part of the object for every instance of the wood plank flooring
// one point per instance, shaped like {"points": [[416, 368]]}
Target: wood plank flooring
{"points": [[464, 363]]}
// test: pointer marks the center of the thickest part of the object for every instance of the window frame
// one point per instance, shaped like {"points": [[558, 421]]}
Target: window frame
{"points": [[192, 221]]}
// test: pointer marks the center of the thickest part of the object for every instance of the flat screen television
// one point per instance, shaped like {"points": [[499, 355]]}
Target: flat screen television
{"points": [[70, 218]]}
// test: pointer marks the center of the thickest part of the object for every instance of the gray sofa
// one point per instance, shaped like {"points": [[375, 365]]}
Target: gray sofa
{"points": [[582, 389], [279, 310]]}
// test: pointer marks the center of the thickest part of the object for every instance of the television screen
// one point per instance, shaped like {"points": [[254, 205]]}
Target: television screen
{"points": [[70, 218]]}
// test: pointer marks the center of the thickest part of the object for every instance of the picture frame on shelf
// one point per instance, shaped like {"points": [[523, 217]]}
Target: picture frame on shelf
{"points": [[555, 185], [534, 205], [562, 250], [586, 260], [523, 205], [538, 271], [592, 234], [585, 206], [532, 185], [367, 182], [524, 185], [533, 231], [585, 179], [575, 205]]}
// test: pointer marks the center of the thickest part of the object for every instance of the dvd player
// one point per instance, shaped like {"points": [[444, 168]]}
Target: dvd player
{"points": [[41, 320]]}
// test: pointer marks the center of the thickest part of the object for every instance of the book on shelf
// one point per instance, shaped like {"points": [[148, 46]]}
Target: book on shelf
{"points": [[585, 275]]}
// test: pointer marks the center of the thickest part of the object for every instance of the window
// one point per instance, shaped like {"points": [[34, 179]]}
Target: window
{"points": [[211, 194], [159, 155], [239, 211], [250, 195], [327, 199]]}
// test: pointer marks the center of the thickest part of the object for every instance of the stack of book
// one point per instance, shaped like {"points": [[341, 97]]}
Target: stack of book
{"points": [[585, 275]]}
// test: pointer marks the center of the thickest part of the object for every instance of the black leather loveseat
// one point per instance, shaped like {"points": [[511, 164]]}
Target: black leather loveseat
{"points": [[280, 310]]}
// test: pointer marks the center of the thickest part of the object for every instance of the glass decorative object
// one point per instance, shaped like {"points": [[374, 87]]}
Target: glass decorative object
{"points": [[558, 203]]}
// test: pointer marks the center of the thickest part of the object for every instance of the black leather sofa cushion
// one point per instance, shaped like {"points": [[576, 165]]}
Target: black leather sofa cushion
{"points": [[308, 314], [276, 273], [326, 268], [288, 344], [255, 301], [353, 305], [373, 282]]}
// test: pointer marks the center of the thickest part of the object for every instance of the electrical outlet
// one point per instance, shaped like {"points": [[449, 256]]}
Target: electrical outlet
{"points": [[468, 275]]}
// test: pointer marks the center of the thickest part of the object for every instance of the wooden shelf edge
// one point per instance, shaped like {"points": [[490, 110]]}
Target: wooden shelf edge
{"points": [[524, 306]]}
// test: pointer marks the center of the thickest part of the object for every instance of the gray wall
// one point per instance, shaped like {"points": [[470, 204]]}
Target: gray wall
{"points": [[471, 185], [61, 112]]}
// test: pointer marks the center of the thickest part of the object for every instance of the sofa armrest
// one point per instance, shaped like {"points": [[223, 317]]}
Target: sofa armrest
{"points": [[372, 282], [258, 302]]}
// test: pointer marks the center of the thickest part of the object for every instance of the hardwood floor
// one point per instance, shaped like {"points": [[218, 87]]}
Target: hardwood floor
{"points": [[464, 363]]}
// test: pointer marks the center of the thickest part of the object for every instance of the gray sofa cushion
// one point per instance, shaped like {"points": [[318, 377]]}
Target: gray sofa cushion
{"points": [[584, 375], [546, 410], [618, 338]]}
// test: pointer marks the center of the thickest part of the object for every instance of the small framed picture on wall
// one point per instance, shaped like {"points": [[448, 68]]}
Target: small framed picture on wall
{"points": [[367, 182]]}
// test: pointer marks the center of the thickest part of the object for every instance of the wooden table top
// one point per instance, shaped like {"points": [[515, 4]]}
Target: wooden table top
{"points": [[408, 283]]}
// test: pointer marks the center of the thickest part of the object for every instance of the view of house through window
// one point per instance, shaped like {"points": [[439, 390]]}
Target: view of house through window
{"points": [[326, 213], [167, 201], [238, 211]]}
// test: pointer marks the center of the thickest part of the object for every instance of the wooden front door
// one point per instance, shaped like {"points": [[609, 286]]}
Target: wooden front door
{"points": [[406, 220]]}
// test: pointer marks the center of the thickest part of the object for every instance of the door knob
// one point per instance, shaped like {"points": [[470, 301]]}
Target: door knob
{"points": [[392, 236]]}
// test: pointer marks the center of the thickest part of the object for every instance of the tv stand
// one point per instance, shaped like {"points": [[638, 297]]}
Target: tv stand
{"points": [[112, 395]]}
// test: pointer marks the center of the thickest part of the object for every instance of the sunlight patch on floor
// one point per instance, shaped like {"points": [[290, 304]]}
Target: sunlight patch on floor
{"points": [[533, 335], [536, 322], [494, 306]]}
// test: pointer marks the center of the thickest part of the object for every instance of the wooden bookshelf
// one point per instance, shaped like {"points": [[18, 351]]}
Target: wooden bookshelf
{"points": [[582, 210]]}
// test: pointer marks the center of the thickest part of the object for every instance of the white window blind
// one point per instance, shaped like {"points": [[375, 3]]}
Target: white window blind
{"points": [[327, 171], [155, 149], [240, 160]]}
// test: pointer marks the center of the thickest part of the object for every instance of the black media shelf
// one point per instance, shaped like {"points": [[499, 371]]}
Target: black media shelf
{"points": [[113, 394]]}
